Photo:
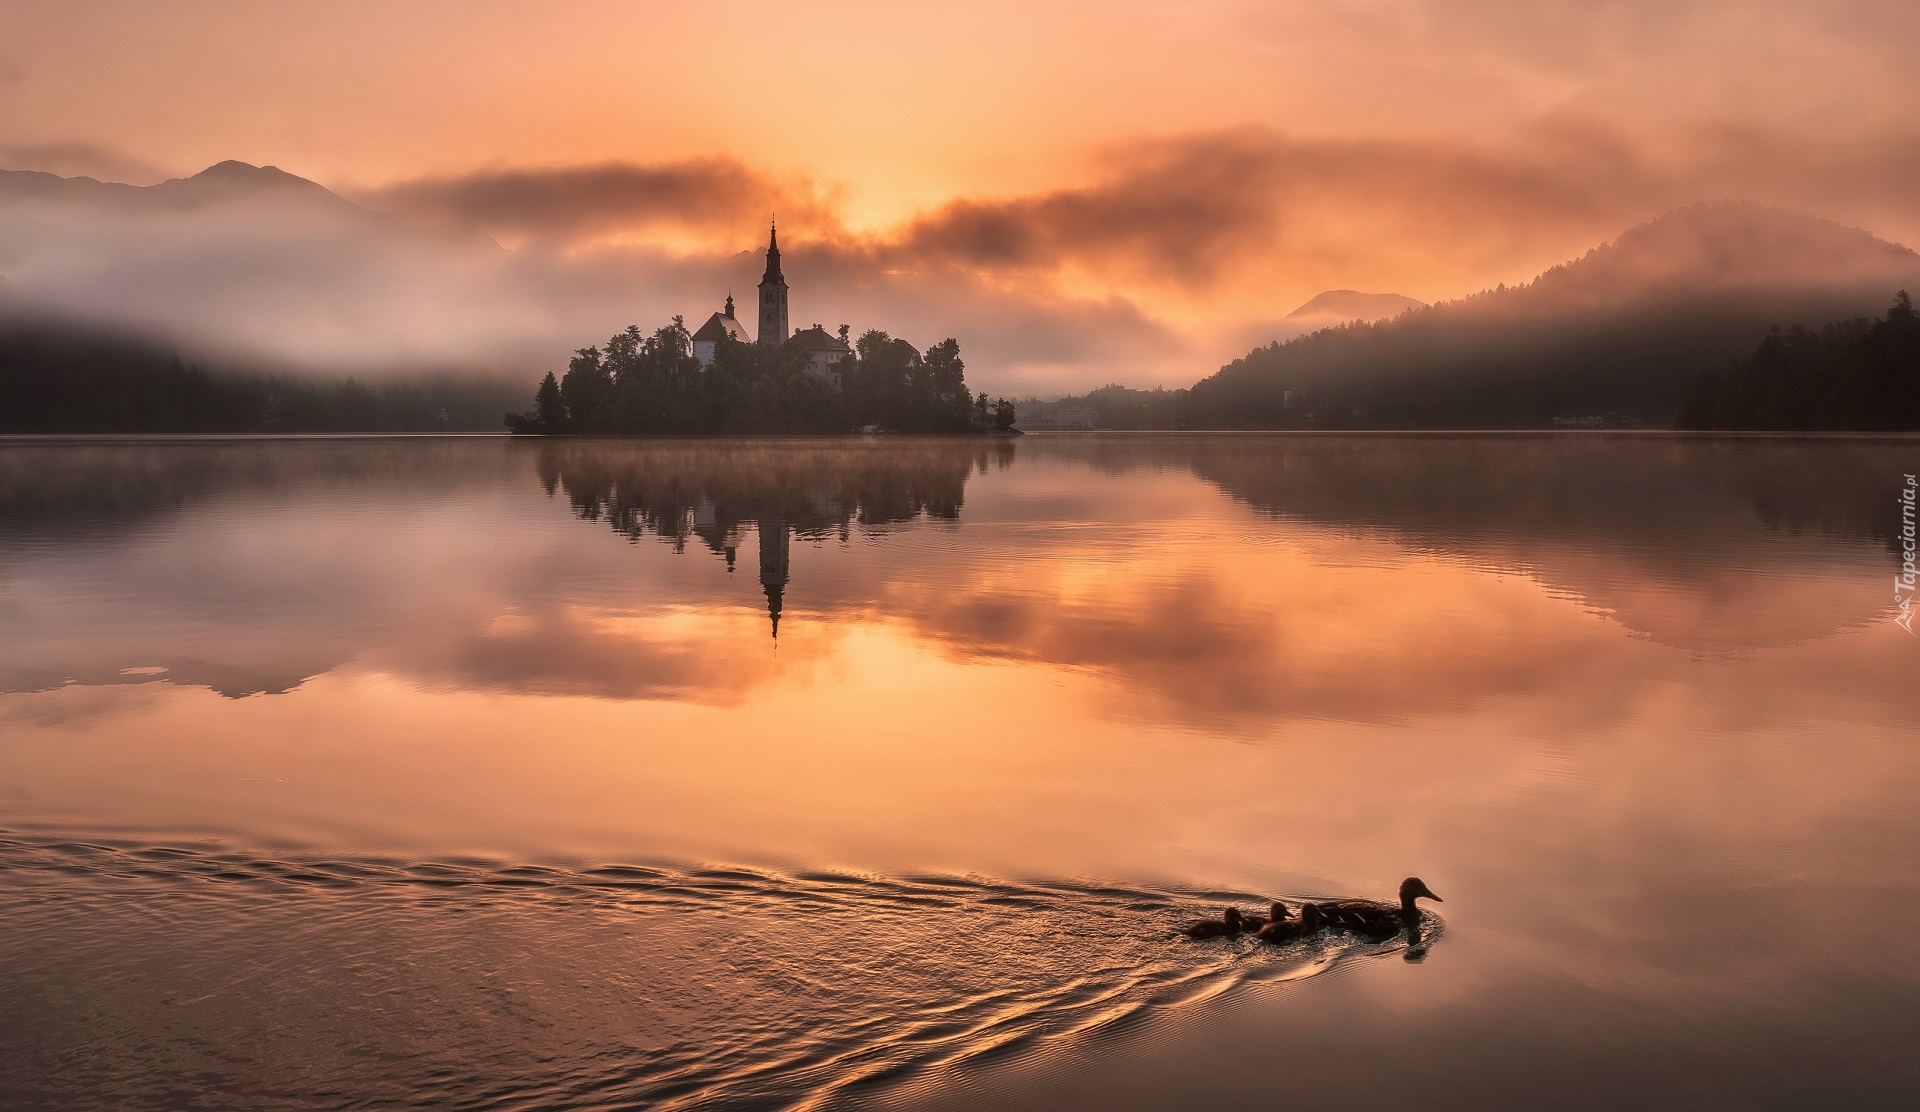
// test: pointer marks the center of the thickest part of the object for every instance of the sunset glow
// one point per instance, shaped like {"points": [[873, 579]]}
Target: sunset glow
{"points": [[1166, 181], [866, 556]]}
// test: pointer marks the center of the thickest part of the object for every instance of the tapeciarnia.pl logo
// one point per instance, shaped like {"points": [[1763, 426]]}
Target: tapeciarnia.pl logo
{"points": [[1904, 582]]}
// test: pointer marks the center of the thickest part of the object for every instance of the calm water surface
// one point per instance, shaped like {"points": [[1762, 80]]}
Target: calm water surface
{"points": [[481, 774]]}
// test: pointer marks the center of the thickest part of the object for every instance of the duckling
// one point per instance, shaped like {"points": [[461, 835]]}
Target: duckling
{"points": [[1275, 911], [1229, 924], [1379, 921], [1282, 929]]}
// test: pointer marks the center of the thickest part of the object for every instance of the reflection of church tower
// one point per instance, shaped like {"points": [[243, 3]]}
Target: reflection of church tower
{"points": [[773, 567], [773, 295]]}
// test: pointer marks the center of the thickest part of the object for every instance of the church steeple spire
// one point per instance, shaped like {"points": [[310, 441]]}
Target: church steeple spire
{"points": [[773, 256], [773, 295]]}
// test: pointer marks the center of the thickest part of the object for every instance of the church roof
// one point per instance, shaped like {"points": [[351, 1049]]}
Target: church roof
{"points": [[720, 325], [819, 339]]}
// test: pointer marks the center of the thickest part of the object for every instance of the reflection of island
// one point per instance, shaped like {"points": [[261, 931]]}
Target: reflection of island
{"points": [[251, 567], [711, 491]]}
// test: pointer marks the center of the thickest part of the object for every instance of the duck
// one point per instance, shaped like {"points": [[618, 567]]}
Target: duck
{"points": [[1379, 921], [1282, 929], [1229, 924]]}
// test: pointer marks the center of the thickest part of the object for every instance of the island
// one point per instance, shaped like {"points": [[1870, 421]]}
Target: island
{"points": [[717, 381]]}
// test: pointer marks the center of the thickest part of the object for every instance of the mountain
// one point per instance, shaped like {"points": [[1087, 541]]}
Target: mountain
{"points": [[241, 299], [1345, 305], [1613, 337], [224, 183], [251, 266]]}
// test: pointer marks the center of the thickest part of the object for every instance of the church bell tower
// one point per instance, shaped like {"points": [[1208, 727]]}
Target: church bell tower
{"points": [[773, 295]]}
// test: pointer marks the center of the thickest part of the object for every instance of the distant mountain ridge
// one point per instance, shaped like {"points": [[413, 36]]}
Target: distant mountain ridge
{"points": [[251, 266], [1613, 336], [223, 182], [1346, 305]]}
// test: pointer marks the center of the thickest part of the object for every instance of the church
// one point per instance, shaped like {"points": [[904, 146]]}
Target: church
{"points": [[822, 348]]}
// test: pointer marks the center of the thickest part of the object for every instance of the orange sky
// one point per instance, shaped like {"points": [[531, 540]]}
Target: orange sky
{"points": [[1206, 166]]}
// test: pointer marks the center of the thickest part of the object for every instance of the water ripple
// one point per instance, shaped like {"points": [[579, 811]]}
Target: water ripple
{"points": [[309, 982]]}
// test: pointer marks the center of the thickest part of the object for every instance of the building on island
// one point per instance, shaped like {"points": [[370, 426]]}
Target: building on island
{"points": [[718, 327], [824, 350]]}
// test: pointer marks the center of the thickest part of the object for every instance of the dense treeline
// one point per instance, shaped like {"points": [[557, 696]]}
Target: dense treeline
{"points": [[1457, 365], [62, 379], [1640, 370], [1481, 362], [1856, 374], [652, 384]]}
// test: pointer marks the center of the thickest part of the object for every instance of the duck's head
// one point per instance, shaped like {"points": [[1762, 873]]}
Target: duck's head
{"points": [[1233, 917], [1413, 888], [1310, 916]]}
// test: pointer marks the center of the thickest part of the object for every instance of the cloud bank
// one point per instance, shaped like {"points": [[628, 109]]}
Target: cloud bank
{"points": [[1168, 256]]}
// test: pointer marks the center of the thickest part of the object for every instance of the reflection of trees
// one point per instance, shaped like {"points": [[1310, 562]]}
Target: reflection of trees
{"points": [[151, 594], [1674, 494], [1606, 518], [711, 491], [77, 487]]}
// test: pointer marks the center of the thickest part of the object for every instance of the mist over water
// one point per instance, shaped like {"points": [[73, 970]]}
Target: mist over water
{"points": [[498, 774]]}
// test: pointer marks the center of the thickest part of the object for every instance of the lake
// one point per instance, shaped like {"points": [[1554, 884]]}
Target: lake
{"points": [[477, 773]]}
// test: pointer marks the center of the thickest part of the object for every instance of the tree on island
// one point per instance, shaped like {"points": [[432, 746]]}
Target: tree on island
{"points": [[652, 384]]}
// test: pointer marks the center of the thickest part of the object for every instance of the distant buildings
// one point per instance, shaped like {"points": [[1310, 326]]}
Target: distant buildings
{"points": [[1036, 414], [1076, 417]]}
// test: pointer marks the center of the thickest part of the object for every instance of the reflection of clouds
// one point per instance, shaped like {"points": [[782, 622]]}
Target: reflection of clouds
{"points": [[1391, 579], [77, 706], [1738, 606], [1710, 544], [1285, 638], [1210, 644], [702, 656]]}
